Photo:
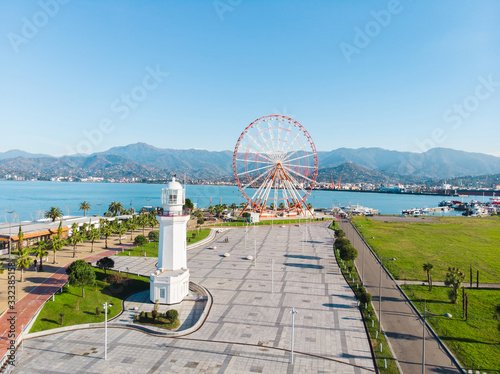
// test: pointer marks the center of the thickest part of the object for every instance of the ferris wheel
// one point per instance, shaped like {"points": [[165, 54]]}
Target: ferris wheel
{"points": [[275, 165]]}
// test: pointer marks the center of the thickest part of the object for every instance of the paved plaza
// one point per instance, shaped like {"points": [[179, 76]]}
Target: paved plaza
{"points": [[248, 329]]}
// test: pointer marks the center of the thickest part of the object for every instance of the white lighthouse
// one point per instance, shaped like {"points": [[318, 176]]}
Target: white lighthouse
{"points": [[169, 284]]}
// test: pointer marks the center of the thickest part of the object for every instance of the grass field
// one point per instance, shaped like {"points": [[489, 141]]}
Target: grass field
{"points": [[268, 222], [66, 302], [151, 249], [476, 342], [449, 241]]}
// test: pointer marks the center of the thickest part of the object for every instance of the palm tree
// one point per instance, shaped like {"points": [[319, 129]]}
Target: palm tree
{"points": [[23, 260], [53, 213], [152, 219], [121, 230], [131, 226], [211, 210], [233, 206], [94, 234], [115, 207], [106, 232], [75, 238], [428, 267], [143, 221], [85, 206], [219, 210], [56, 244], [20, 238], [40, 250]]}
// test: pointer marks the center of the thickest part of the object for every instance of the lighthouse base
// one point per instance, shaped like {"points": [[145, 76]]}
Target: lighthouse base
{"points": [[169, 286]]}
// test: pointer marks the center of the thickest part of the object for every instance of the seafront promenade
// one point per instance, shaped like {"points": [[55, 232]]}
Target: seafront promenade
{"points": [[249, 326]]}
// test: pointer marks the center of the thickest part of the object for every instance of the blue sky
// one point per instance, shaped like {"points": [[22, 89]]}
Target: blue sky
{"points": [[84, 76]]}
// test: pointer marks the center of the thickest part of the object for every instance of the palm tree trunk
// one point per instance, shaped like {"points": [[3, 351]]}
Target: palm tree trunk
{"points": [[54, 257], [22, 272], [74, 251], [92, 247], [106, 246], [40, 268], [83, 292]]}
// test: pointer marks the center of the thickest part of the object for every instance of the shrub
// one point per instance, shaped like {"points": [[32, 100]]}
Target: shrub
{"points": [[172, 314], [115, 278], [154, 314], [340, 242], [348, 253], [200, 221], [137, 318], [154, 236], [339, 233], [140, 240], [365, 298], [193, 235], [142, 314], [97, 311]]}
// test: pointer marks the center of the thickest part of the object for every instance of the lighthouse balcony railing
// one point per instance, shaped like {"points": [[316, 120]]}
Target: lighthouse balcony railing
{"points": [[184, 212]]}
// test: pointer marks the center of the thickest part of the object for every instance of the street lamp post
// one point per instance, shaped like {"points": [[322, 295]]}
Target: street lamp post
{"points": [[294, 312], [272, 275], [425, 314], [380, 293], [106, 306], [10, 234]]}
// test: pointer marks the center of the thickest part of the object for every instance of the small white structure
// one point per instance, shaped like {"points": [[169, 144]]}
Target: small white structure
{"points": [[169, 284]]}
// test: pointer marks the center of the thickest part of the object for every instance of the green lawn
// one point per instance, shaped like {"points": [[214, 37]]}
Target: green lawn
{"points": [[449, 241], [66, 302], [151, 249], [476, 342], [267, 222]]}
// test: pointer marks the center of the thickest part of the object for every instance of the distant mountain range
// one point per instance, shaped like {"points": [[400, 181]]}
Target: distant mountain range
{"points": [[141, 160]]}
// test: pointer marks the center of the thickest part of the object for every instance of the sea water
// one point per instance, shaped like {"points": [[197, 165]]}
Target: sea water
{"points": [[30, 200]]}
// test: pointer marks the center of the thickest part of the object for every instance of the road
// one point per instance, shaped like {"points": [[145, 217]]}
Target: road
{"points": [[400, 322]]}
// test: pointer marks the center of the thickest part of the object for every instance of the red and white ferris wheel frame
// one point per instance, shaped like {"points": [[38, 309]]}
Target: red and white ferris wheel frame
{"points": [[295, 181]]}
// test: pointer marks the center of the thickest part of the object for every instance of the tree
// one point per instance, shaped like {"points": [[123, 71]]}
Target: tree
{"points": [[105, 264], [106, 232], [152, 219], [115, 207], [93, 235], [75, 238], [121, 230], [348, 253], [20, 238], [233, 207], [23, 260], [154, 235], [211, 210], [200, 221], [454, 279], [143, 221], [140, 240], [428, 267], [219, 209], [40, 250], [53, 213], [188, 205], [131, 226], [282, 206], [340, 242], [56, 244], [81, 274], [85, 206]]}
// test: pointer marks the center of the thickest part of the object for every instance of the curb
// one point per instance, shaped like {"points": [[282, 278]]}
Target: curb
{"points": [[141, 328]]}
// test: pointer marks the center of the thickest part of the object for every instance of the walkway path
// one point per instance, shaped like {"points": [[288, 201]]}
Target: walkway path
{"points": [[248, 329], [400, 322]]}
